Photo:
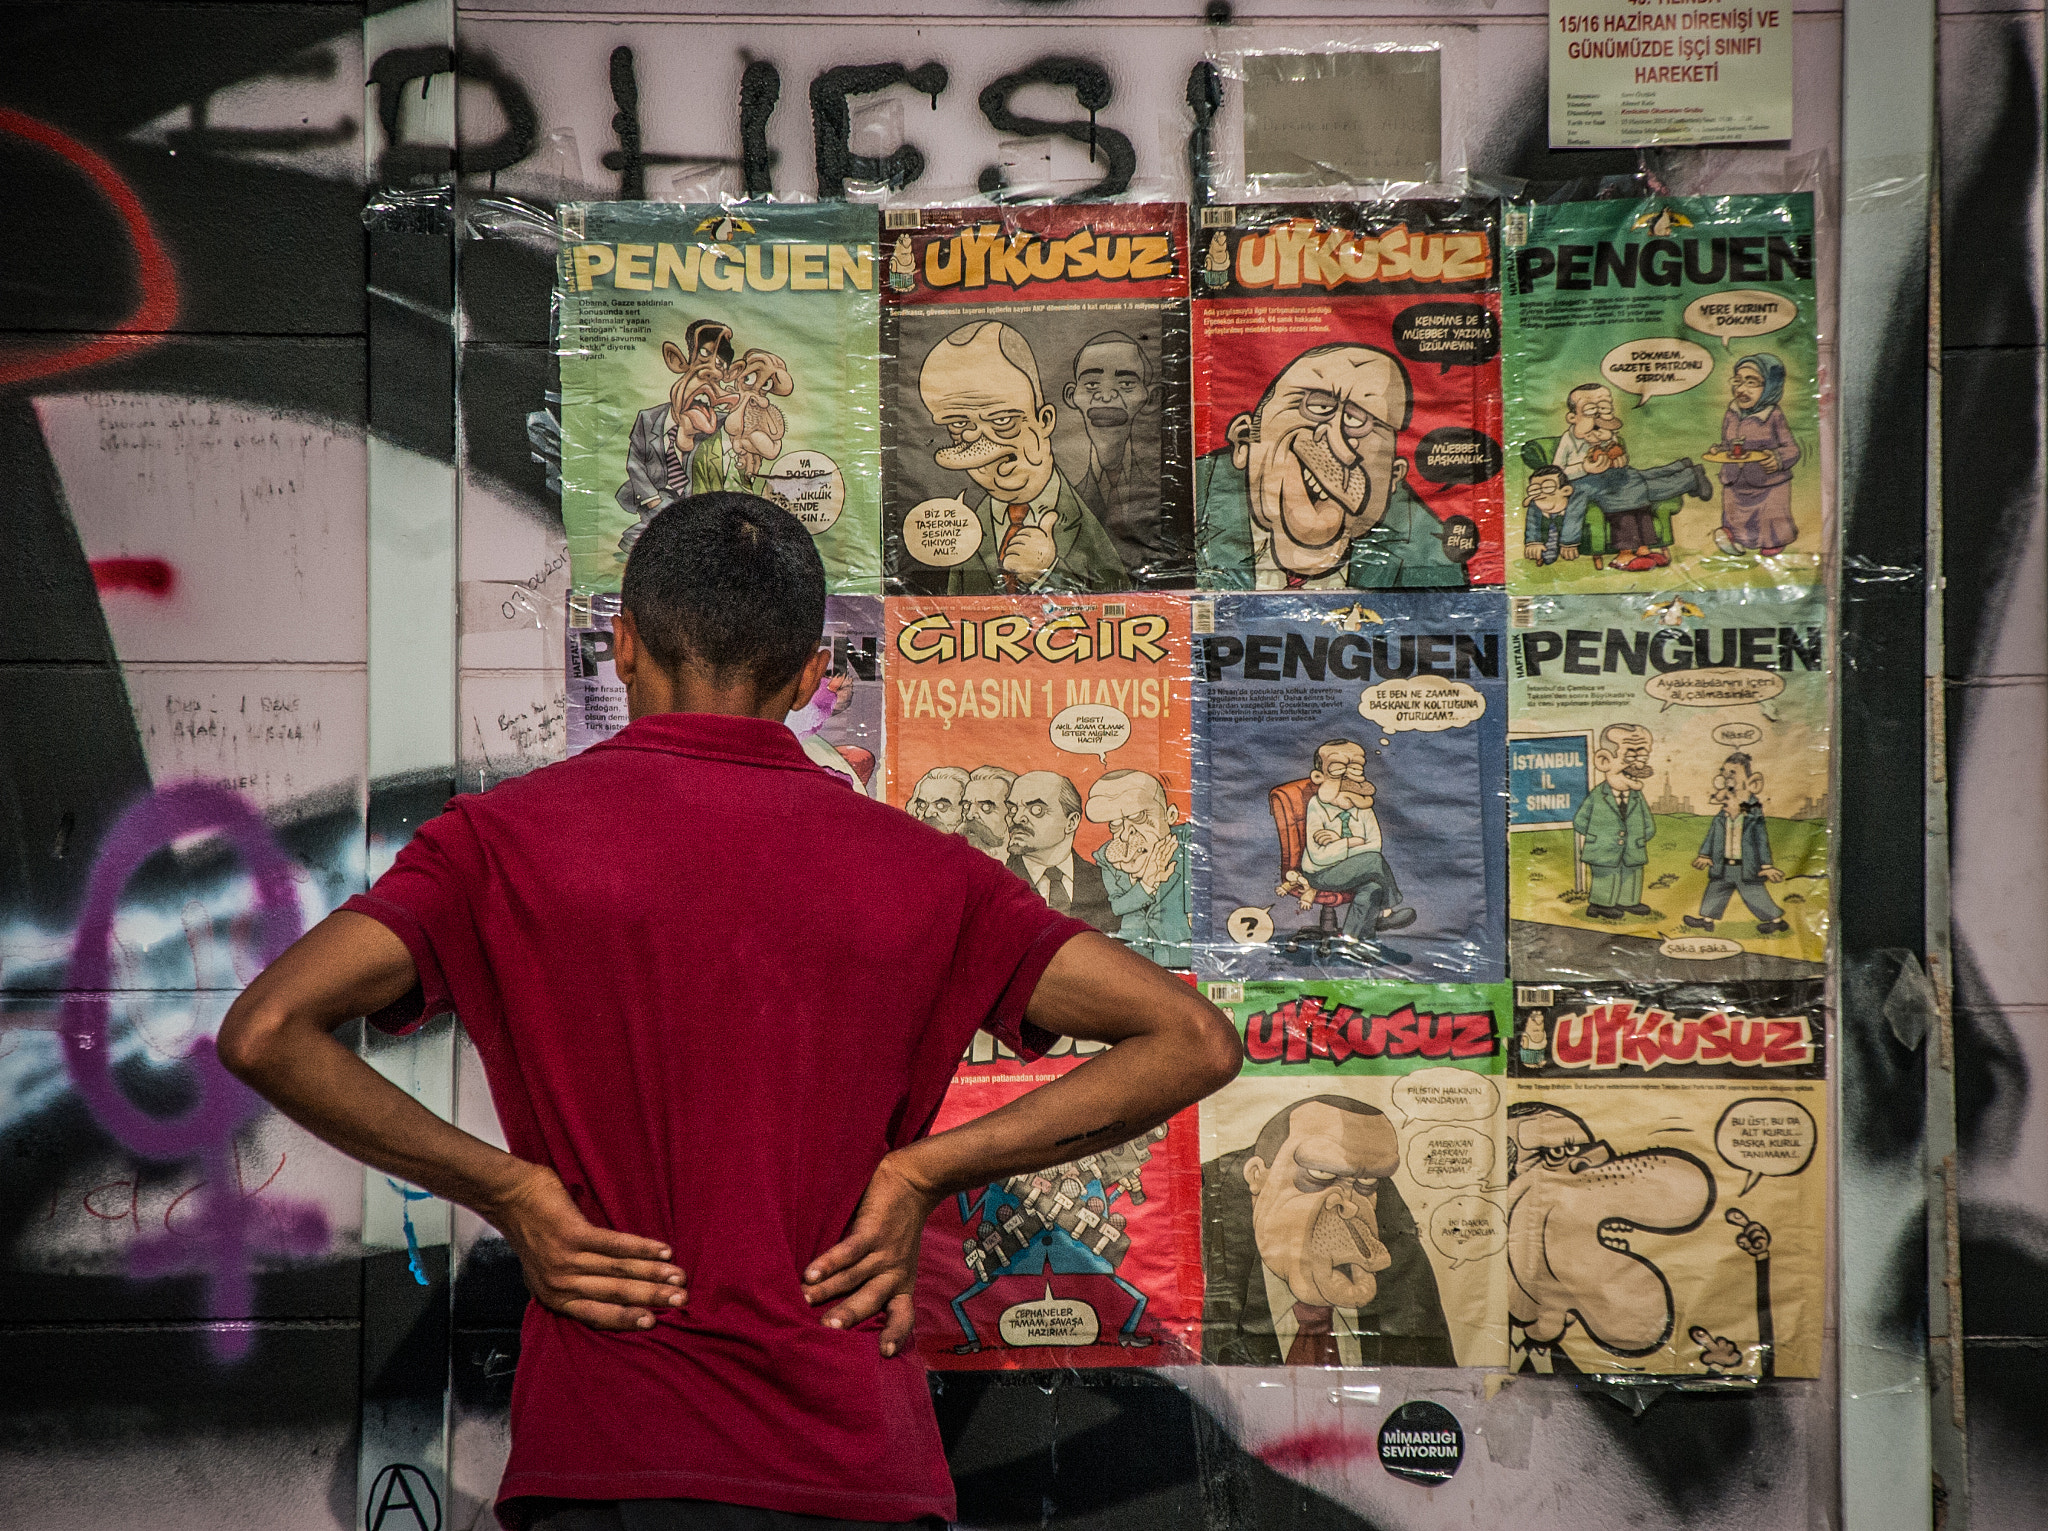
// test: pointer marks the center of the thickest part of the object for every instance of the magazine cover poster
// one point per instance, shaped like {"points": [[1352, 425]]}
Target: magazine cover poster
{"points": [[840, 728], [1053, 734], [1663, 399], [1668, 786], [1350, 785], [1035, 400], [1348, 398], [1093, 1262], [1671, 1031], [1352, 1178], [1675, 1227], [707, 348]]}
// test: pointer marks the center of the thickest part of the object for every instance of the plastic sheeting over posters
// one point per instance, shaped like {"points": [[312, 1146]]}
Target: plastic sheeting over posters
{"points": [[1662, 394], [1350, 1178], [1347, 396], [1349, 760], [1053, 734], [707, 348], [1094, 1262], [1667, 786], [1035, 399], [1667, 1179]]}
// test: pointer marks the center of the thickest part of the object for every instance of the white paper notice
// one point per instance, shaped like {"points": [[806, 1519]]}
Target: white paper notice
{"points": [[1625, 73]]}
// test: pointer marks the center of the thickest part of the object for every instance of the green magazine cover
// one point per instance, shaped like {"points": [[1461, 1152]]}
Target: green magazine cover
{"points": [[1668, 787], [707, 348], [1663, 406]]}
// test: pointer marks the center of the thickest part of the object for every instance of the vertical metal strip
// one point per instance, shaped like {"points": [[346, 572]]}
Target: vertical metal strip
{"points": [[1888, 154], [1948, 1439], [409, 147]]}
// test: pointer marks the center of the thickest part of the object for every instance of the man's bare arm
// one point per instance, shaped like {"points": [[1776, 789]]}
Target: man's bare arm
{"points": [[1169, 1048], [278, 1038]]}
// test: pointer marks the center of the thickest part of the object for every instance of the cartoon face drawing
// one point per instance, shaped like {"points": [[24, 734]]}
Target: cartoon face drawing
{"points": [[1572, 1202], [1339, 775], [755, 425], [1622, 756], [1140, 819], [698, 399], [937, 797], [986, 812], [1112, 387], [1315, 1206], [1319, 452], [981, 384]]}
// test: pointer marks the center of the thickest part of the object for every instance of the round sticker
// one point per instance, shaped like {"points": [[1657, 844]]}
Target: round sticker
{"points": [[1422, 1442]]}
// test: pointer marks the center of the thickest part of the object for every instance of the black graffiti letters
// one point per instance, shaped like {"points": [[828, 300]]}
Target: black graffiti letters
{"points": [[1092, 88], [832, 125]]}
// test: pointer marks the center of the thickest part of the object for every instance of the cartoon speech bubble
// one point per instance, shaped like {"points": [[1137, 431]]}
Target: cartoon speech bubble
{"points": [[1089, 728], [1049, 1320], [1468, 1228], [810, 487], [1648, 368], [1737, 735], [1457, 454], [1766, 1137], [1425, 704], [1461, 537], [1447, 335], [1700, 948], [1446, 1095], [941, 532], [1728, 316], [1251, 925], [1714, 687], [1442, 1155]]}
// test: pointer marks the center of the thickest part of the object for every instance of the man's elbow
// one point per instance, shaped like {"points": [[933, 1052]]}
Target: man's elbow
{"points": [[248, 1039], [1215, 1053]]}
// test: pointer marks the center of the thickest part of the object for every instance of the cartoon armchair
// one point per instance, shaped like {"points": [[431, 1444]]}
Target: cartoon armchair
{"points": [[1289, 802], [1540, 452]]}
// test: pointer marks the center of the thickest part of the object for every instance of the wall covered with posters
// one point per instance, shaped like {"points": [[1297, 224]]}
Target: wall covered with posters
{"points": [[195, 1332]]}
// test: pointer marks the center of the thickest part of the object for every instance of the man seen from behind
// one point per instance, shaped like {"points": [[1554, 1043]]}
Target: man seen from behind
{"points": [[719, 1167]]}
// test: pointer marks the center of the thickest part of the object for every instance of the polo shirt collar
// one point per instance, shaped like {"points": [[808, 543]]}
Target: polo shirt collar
{"points": [[713, 736]]}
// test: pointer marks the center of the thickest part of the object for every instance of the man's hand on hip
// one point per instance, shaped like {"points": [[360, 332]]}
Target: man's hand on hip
{"points": [[874, 1268], [575, 1268]]}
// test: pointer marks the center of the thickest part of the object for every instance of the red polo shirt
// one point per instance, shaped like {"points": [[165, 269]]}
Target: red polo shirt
{"points": [[711, 985]]}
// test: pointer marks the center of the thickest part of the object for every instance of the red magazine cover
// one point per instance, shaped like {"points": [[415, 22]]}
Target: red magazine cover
{"points": [[1096, 1262], [1347, 397]]}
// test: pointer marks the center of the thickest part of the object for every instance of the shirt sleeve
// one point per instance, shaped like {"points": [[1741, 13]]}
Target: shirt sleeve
{"points": [[1006, 942], [423, 900]]}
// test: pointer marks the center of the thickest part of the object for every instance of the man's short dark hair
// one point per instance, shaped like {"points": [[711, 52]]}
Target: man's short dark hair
{"points": [[1553, 471], [1738, 758], [1273, 1136], [727, 582]]}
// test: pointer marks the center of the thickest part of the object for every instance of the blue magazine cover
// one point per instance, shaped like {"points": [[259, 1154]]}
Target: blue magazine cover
{"points": [[1350, 785]]}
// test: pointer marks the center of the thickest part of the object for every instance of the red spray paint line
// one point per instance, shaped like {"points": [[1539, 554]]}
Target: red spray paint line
{"points": [[1315, 1448], [159, 283], [148, 576]]}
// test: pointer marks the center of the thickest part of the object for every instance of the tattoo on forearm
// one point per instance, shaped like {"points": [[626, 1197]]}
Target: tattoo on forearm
{"points": [[1100, 1132]]}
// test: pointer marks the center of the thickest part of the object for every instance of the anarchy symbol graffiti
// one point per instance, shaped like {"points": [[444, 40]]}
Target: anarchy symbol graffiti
{"points": [[401, 1489]]}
